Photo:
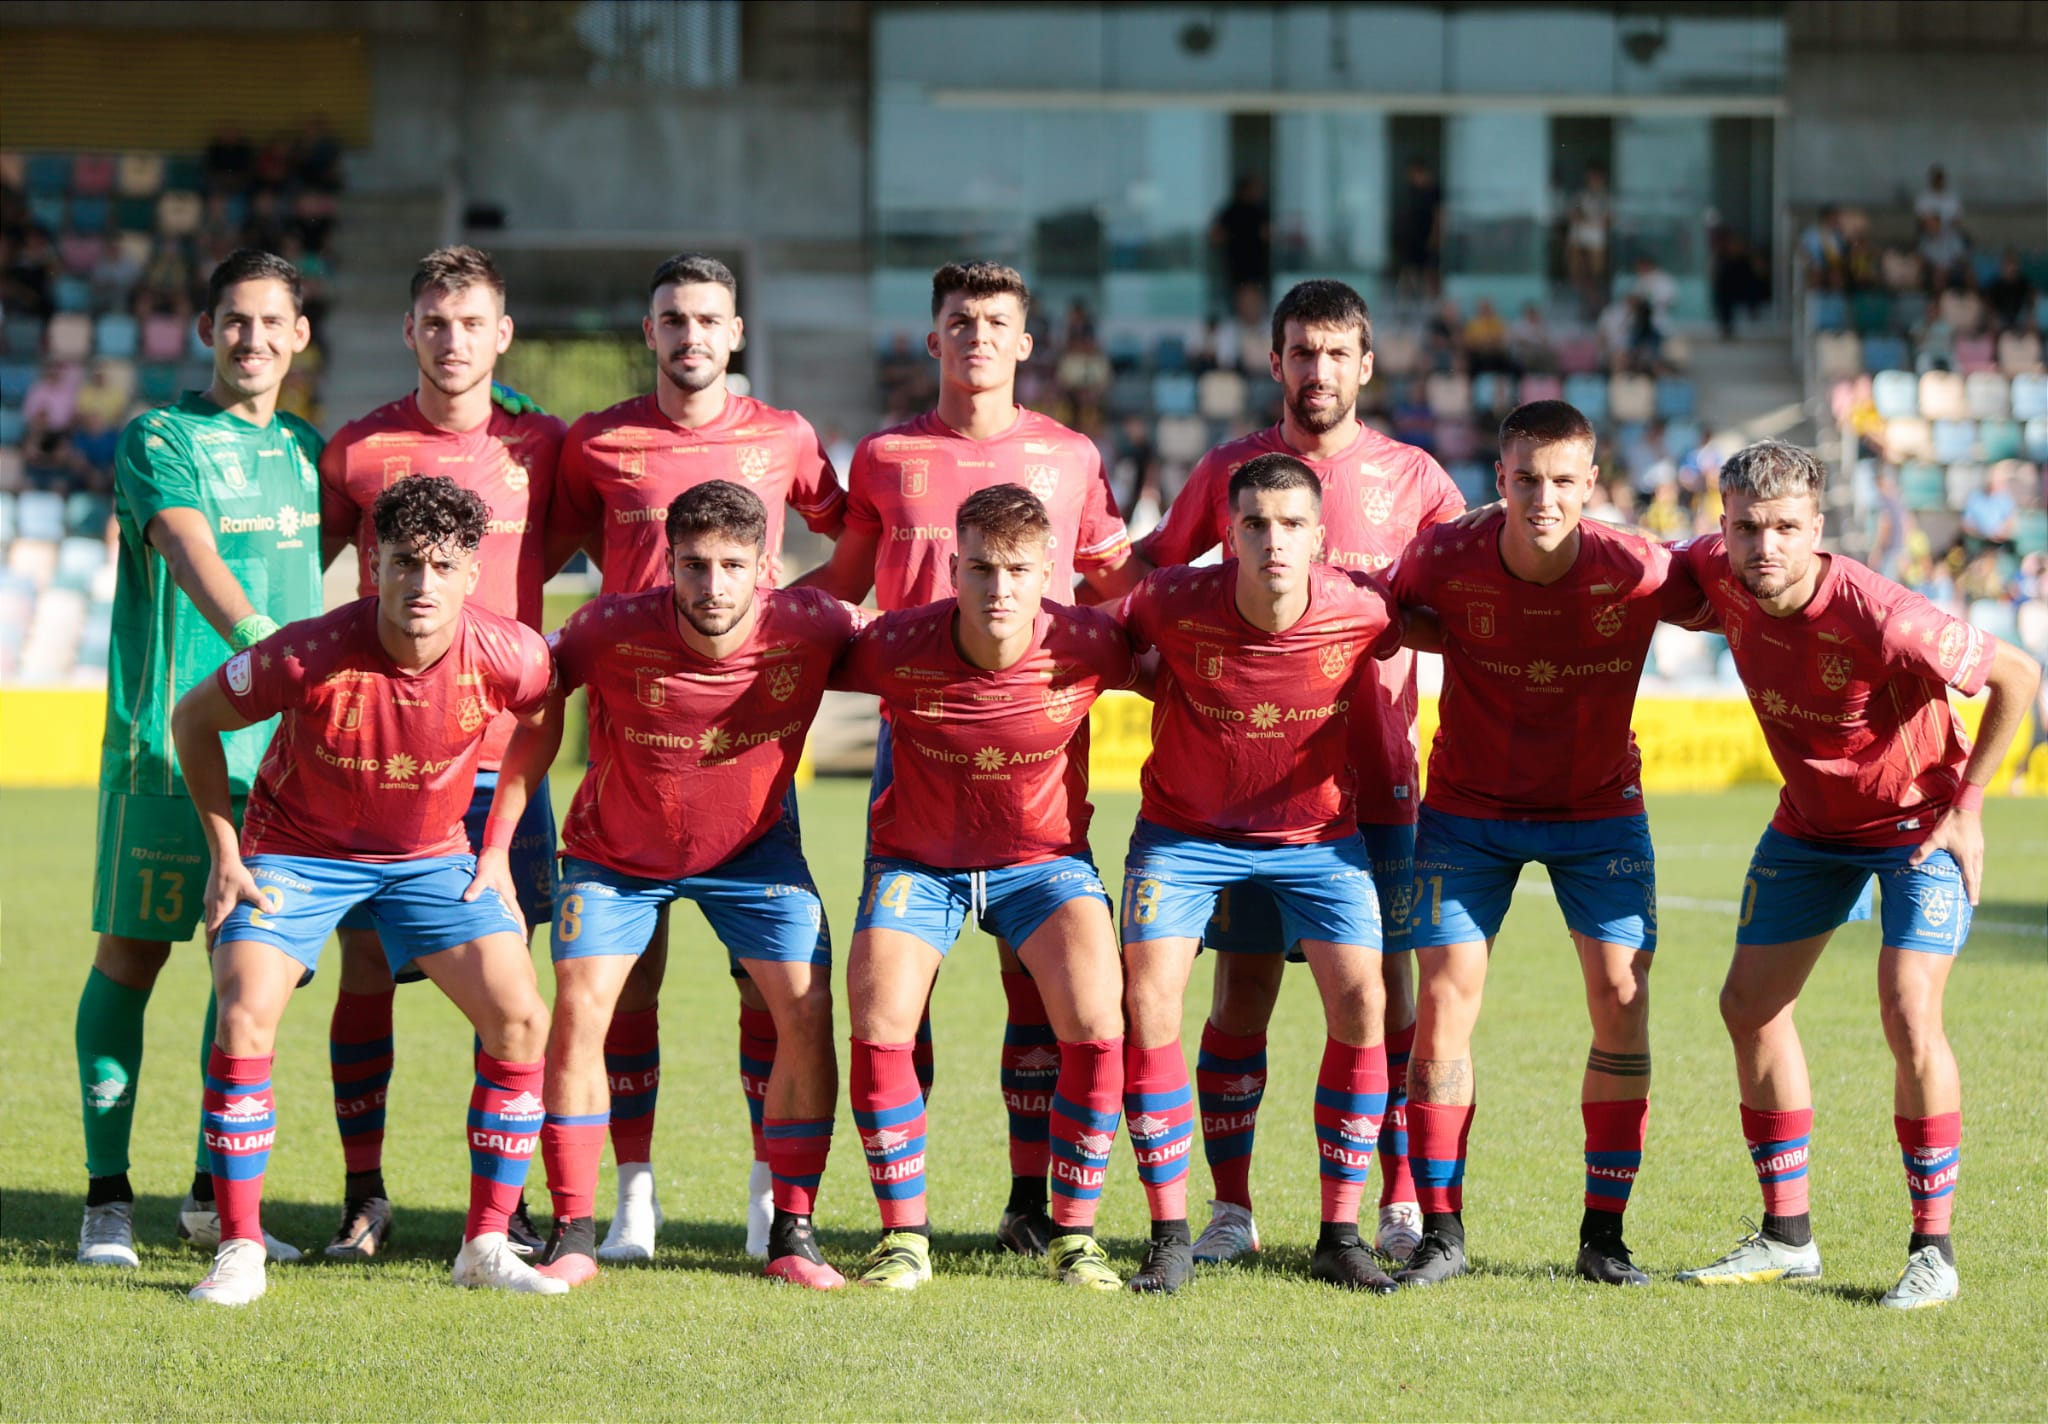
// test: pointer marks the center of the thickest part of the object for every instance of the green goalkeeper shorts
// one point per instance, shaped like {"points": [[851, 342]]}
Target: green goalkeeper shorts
{"points": [[149, 878]]}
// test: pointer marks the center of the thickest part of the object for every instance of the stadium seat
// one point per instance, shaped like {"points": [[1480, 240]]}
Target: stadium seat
{"points": [[1837, 355], [2030, 536], [13, 425], [89, 215], [1676, 398], [47, 211], [12, 476], [178, 213], [79, 251], [1170, 353], [22, 335], [48, 174], [13, 169], [120, 375], [1632, 398], [1454, 441], [2019, 352], [1826, 311], [40, 516], [15, 379], [1220, 395], [1976, 353], [1989, 395], [2034, 444], [1493, 393], [1182, 439], [2031, 621], [78, 560], [1941, 396], [1130, 392], [68, 337], [92, 174], [1909, 309], [1589, 394], [136, 247], [85, 514], [1396, 353], [1449, 394], [1886, 353], [1908, 438], [1173, 393], [1923, 486], [1998, 440], [1994, 616], [1541, 387], [1682, 437], [1474, 480], [117, 335], [163, 337], [1963, 481], [1579, 354], [2029, 395], [72, 294], [159, 384], [1871, 312], [1896, 394]]}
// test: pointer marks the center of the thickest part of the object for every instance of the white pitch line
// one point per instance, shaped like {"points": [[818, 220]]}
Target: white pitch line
{"points": [[1729, 907]]}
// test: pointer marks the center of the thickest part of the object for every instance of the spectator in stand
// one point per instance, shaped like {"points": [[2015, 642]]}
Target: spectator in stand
{"points": [[1960, 305], [229, 161], [1252, 337], [48, 406], [1939, 201], [1529, 343], [1944, 250], [1242, 234], [1991, 513], [30, 271], [1820, 250], [1657, 288], [1419, 233], [1485, 339], [1666, 517], [265, 226], [1890, 525], [166, 287], [1442, 335], [114, 273], [2010, 295], [272, 171], [1588, 228], [316, 159], [1739, 281]]}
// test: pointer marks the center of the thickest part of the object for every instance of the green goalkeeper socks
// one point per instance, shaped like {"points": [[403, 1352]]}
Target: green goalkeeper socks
{"points": [[108, 1036]]}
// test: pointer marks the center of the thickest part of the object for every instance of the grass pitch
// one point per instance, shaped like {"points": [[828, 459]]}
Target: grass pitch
{"points": [[700, 1335]]}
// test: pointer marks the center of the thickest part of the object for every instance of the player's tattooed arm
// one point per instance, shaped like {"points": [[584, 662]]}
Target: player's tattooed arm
{"points": [[1440, 1080]]}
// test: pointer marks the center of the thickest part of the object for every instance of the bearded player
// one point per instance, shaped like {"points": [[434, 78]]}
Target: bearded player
{"points": [[1249, 780], [700, 694], [1849, 676], [620, 470], [1546, 622], [216, 498], [386, 703], [902, 490], [986, 814], [1377, 495], [451, 424]]}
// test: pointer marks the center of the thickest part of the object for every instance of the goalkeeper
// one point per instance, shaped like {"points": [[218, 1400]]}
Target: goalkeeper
{"points": [[218, 502]]}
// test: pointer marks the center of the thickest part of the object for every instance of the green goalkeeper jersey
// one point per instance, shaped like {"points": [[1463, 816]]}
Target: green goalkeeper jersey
{"points": [[259, 489]]}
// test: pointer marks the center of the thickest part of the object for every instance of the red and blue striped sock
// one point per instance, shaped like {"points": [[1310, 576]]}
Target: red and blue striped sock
{"points": [[632, 1066], [888, 1109], [1159, 1110], [570, 1148], [1230, 1083], [1932, 1148], [1436, 1154], [1085, 1104], [1397, 1183], [1032, 1064], [1615, 1132], [1780, 1148], [757, 1061], [238, 1117], [505, 1119], [1351, 1101], [359, 1061], [797, 1149]]}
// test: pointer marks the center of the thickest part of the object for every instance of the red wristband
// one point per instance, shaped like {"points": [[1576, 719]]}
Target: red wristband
{"points": [[498, 833], [1970, 797]]}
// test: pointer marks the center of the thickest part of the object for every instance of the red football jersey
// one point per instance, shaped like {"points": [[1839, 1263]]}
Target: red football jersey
{"points": [[509, 460], [907, 483], [1377, 495], [989, 768], [1540, 679], [621, 467], [1251, 736], [371, 762], [691, 757], [1850, 691]]}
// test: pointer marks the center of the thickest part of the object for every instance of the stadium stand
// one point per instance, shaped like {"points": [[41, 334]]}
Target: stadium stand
{"points": [[103, 264]]}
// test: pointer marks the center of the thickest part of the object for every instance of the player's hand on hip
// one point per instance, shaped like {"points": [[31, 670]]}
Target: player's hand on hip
{"points": [[228, 885], [1961, 834], [494, 872]]}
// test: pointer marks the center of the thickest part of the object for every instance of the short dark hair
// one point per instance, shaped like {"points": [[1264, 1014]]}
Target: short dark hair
{"points": [[1008, 516], [1773, 469], [1547, 422], [1274, 472], [687, 268], [719, 507], [253, 264], [1322, 302], [978, 279], [426, 511], [457, 269]]}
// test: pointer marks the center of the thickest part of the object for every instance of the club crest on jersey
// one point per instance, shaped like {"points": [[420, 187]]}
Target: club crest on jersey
{"points": [[1479, 619], [1333, 659], [396, 468], [231, 470], [916, 476], [238, 672], [515, 472], [1607, 621], [1377, 501], [782, 682], [929, 704], [647, 688], [1062, 703], [471, 715], [753, 461], [632, 465], [1042, 480], [348, 711], [1209, 660], [1731, 629], [1834, 670]]}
